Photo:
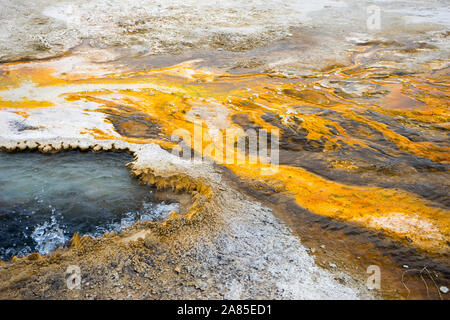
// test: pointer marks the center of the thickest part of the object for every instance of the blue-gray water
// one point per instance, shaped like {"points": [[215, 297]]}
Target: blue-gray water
{"points": [[46, 198]]}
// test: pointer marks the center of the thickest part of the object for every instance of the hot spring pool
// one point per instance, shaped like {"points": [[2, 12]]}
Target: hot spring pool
{"points": [[46, 198]]}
